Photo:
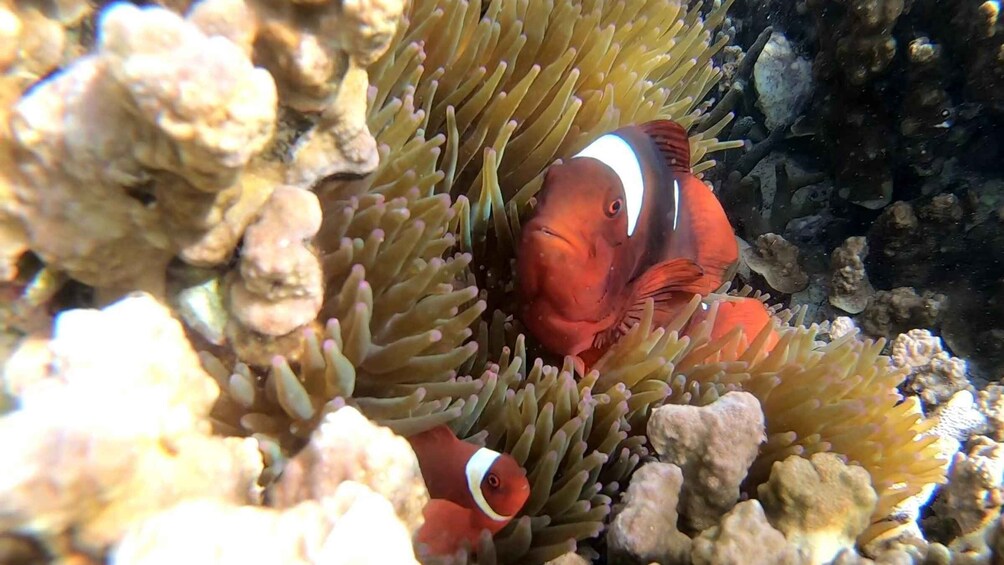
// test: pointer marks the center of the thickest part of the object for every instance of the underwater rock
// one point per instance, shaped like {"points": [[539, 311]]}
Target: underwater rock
{"points": [[353, 525], [714, 445], [891, 313], [119, 422], [820, 504], [777, 261], [645, 530], [203, 309], [783, 81], [745, 537], [850, 289], [934, 374], [344, 447]]}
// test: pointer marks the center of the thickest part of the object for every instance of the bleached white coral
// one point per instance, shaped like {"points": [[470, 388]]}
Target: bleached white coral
{"points": [[975, 491], [353, 526], [934, 374], [118, 419], [346, 446], [714, 445]]}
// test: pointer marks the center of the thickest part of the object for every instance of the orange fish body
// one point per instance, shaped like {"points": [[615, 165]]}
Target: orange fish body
{"points": [[471, 489], [749, 314], [623, 221]]}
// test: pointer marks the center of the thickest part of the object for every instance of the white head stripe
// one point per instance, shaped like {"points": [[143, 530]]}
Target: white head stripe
{"points": [[477, 467], [676, 202], [614, 152]]}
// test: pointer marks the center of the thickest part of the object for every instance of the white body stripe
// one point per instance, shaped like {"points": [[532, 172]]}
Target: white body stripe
{"points": [[616, 153], [676, 203], [477, 467]]}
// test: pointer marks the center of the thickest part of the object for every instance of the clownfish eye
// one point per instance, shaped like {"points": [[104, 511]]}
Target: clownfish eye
{"points": [[493, 480], [614, 207]]}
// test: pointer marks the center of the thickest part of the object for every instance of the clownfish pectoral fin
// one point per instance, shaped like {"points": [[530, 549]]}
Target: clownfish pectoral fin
{"points": [[662, 282], [446, 528], [672, 141], [672, 276]]}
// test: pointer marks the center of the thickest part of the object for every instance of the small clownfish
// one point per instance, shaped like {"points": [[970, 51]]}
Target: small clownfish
{"points": [[622, 221], [471, 489]]}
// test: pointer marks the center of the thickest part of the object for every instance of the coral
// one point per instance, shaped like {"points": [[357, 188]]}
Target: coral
{"points": [[352, 525], [765, 195], [958, 419], [991, 403], [470, 102], [783, 82], [397, 329], [856, 47], [645, 529], [934, 374], [178, 139], [862, 43], [850, 289], [777, 260], [893, 312], [110, 135], [841, 326], [714, 445], [838, 397], [66, 432], [319, 53], [973, 496], [279, 287], [980, 37], [927, 112], [347, 447], [820, 504], [744, 536]]}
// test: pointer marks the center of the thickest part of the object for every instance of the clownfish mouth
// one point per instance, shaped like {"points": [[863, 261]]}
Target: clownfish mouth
{"points": [[552, 233]]}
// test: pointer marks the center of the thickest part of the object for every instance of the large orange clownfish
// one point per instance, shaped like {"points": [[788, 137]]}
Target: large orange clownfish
{"points": [[622, 221], [471, 489]]}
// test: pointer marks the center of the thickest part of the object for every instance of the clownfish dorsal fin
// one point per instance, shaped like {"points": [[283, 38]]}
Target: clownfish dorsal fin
{"points": [[660, 282], [672, 141], [476, 469], [615, 152]]}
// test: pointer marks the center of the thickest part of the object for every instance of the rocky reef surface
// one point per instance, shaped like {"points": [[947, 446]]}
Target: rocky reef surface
{"points": [[248, 247]]}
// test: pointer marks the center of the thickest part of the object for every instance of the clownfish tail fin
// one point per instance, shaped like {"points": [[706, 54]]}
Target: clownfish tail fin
{"points": [[672, 142]]}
